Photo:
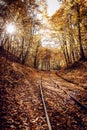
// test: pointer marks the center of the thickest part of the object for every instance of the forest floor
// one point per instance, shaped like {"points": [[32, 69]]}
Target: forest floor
{"points": [[21, 106]]}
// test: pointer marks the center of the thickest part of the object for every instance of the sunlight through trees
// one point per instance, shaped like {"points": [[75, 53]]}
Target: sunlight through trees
{"points": [[26, 29]]}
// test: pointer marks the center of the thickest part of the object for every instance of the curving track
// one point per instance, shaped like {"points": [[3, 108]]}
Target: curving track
{"points": [[65, 104], [43, 104]]}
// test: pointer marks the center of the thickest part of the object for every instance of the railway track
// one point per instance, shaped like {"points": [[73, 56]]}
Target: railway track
{"points": [[71, 96], [44, 106], [63, 90], [72, 82]]}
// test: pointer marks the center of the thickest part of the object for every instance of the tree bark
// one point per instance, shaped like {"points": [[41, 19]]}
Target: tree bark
{"points": [[79, 34]]}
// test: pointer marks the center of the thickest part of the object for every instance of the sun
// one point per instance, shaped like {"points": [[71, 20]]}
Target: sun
{"points": [[53, 6], [11, 28]]}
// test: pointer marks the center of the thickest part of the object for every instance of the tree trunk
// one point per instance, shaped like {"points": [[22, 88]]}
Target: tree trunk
{"points": [[79, 34], [35, 60]]}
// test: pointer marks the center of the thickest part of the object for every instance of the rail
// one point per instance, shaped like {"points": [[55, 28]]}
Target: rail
{"points": [[74, 99], [44, 106]]}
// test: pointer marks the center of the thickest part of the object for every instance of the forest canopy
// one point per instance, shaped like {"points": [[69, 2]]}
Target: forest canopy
{"points": [[41, 41]]}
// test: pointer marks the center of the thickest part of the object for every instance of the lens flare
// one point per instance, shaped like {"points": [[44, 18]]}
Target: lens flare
{"points": [[11, 28]]}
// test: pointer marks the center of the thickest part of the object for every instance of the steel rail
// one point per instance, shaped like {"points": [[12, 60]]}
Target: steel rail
{"points": [[75, 100], [44, 106], [69, 81]]}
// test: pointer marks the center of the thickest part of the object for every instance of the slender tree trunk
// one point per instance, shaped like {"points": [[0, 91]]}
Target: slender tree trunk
{"points": [[35, 61], [63, 49], [25, 57], [79, 34], [66, 53], [72, 51], [22, 47]]}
